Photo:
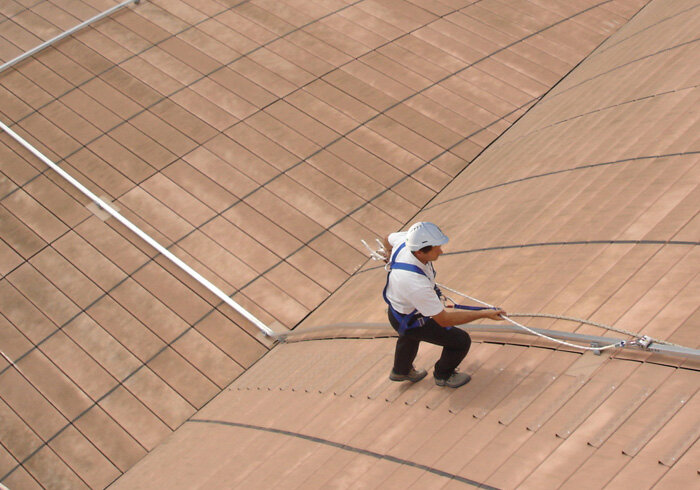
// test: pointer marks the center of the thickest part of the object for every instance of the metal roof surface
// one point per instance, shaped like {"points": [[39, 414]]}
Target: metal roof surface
{"points": [[554, 142]]}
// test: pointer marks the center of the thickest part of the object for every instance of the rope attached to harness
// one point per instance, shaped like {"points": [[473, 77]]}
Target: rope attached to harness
{"points": [[415, 319], [615, 345]]}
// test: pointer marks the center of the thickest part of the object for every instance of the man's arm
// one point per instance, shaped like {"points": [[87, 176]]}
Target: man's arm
{"points": [[457, 317], [387, 247]]}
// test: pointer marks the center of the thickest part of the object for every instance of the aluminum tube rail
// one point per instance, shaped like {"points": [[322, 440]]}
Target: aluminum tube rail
{"points": [[165, 252], [655, 347], [67, 33], [377, 330]]}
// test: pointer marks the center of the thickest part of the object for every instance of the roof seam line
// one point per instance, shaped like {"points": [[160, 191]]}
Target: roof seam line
{"points": [[346, 447], [556, 172]]}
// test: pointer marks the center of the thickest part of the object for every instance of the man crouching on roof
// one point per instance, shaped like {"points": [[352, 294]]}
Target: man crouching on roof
{"points": [[415, 309]]}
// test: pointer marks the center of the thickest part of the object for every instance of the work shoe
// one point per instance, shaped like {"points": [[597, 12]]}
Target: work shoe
{"points": [[413, 376], [455, 380]]}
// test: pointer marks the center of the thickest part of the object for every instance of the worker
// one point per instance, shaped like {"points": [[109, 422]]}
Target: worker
{"points": [[416, 311]]}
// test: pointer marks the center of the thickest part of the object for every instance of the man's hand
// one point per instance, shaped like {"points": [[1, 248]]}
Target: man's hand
{"points": [[495, 314]]}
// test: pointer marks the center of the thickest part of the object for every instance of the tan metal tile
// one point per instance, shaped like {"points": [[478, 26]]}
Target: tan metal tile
{"points": [[349, 79], [141, 26], [365, 162], [19, 236], [281, 67], [88, 260], [160, 398], [104, 348], [218, 32], [125, 328], [49, 470], [135, 418], [306, 201], [224, 98], [121, 159], [18, 438], [143, 145], [103, 44], [177, 199], [44, 78], [147, 308], [189, 55], [49, 299], [275, 302], [242, 25], [85, 55], [326, 182], [85, 372], [170, 65], [671, 439], [20, 478], [14, 342], [203, 187], [641, 425], [53, 143], [300, 57], [209, 112], [149, 210], [354, 109], [27, 90], [63, 275], [144, 74], [437, 131], [280, 156], [394, 204], [63, 65], [113, 246], [326, 273], [301, 287], [284, 144], [84, 459], [125, 37], [264, 202], [262, 76], [541, 444], [623, 402], [23, 37], [208, 358], [683, 472], [302, 123], [26, 317], [183, 121], [110, 439], [37, 412], [53, 384], [183, 377], [13, 108]]}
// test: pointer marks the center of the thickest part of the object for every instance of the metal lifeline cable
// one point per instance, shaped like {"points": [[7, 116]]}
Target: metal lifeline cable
{"points": [[595, 324], [621, 343]]}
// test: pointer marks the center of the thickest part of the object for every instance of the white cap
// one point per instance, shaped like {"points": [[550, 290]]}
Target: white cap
{"points": [[424, 234]]}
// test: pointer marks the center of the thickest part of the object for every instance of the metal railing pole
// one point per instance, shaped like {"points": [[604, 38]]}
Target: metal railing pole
{"points": [[67, 33], [160, 248]]}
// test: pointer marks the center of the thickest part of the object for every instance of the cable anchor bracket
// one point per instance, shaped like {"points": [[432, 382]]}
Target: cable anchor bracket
{"points": [[644, 342]]}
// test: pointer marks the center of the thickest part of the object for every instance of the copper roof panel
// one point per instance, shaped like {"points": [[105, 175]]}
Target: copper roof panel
{"points": [[342, 120]]}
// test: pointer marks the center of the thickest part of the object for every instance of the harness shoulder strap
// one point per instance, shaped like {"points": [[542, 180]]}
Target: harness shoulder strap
{"points": [[407, 267]]}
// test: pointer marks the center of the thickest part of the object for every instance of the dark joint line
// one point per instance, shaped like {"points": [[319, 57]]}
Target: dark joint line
{"points": [[352, 449]]}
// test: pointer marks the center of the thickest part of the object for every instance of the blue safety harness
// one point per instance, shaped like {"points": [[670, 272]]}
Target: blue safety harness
{"points": [[413, 319]]}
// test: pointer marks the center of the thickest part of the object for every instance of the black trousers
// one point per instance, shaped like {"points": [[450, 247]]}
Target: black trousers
{"points": [[454, 341]]}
